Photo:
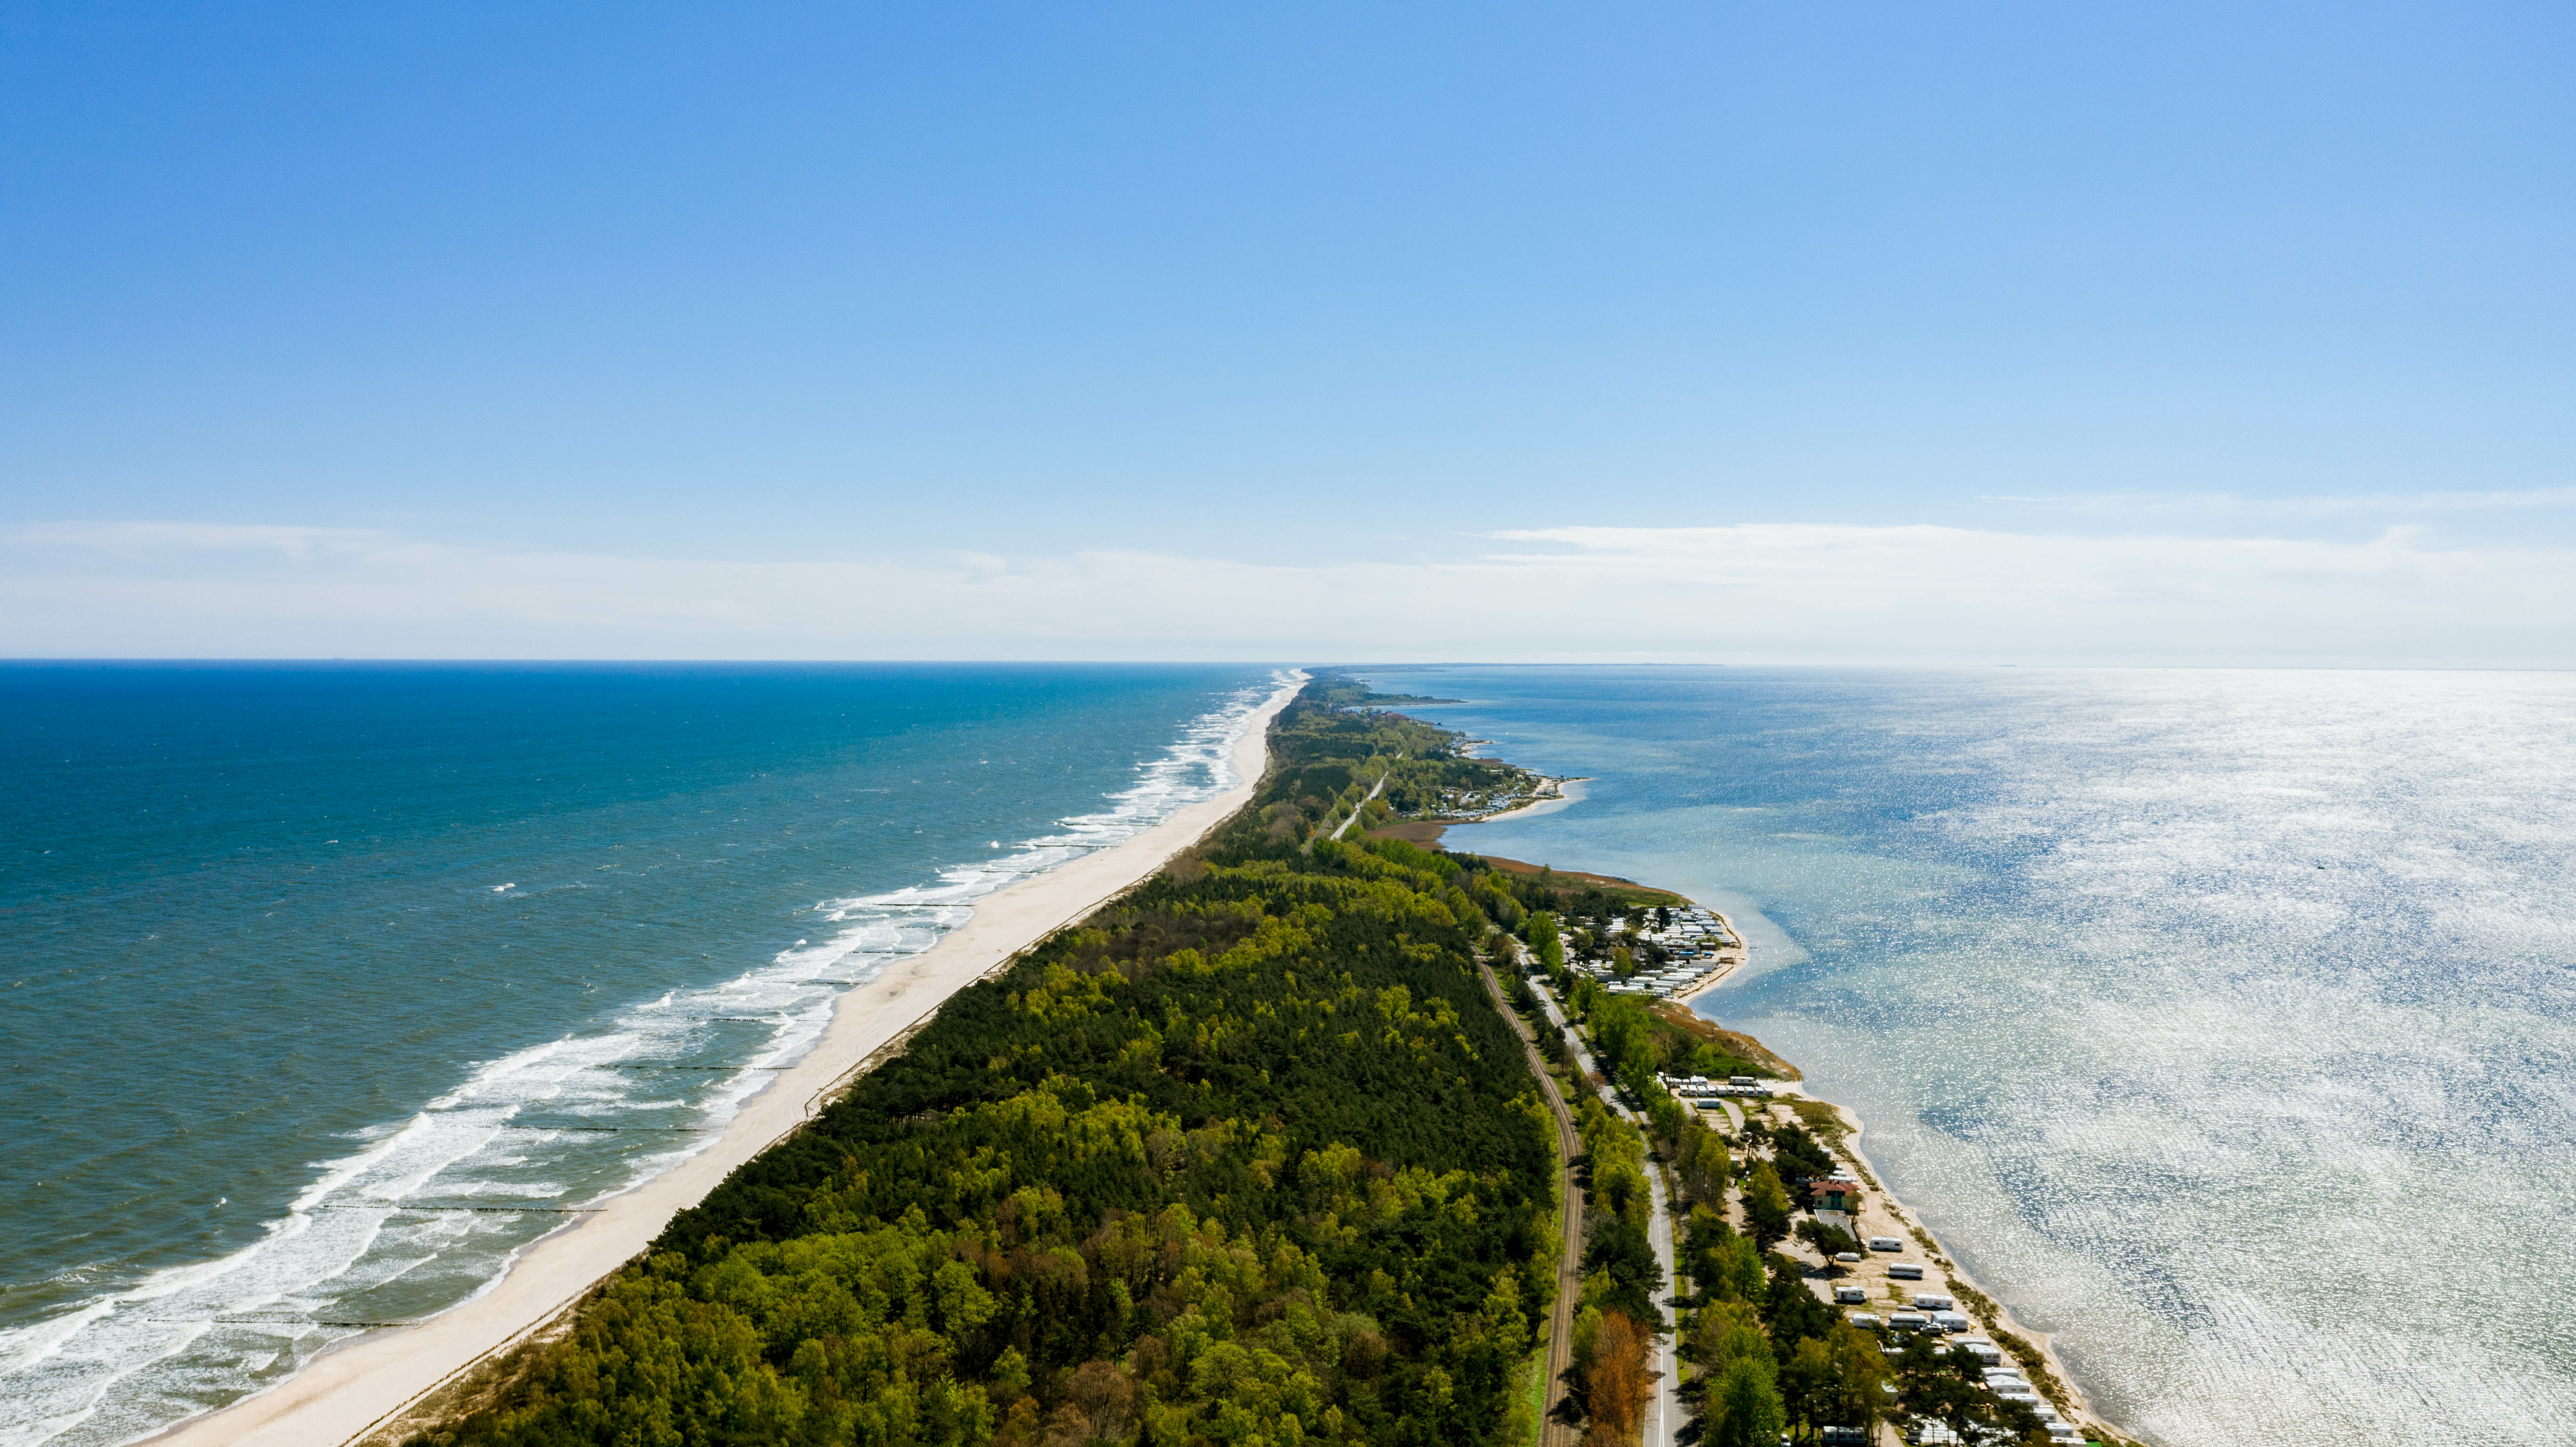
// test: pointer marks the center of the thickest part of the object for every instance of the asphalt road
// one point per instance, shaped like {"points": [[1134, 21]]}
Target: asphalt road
{"points": [[1554, 1431], [1666, 1413], [1362, 804]]}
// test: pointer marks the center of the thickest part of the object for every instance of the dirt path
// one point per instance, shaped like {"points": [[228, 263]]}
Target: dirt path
{"points": [[1557, 1431]]}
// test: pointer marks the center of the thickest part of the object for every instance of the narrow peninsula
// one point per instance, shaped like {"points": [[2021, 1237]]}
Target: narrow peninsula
{"points": [[1316, 1135]]}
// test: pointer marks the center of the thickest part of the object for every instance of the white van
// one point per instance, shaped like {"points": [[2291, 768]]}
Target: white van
{"points": [[1851, 1292]]}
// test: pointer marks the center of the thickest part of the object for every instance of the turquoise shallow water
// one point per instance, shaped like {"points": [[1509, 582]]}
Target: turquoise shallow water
{"points": [[303, 962], [2224, 1023]]}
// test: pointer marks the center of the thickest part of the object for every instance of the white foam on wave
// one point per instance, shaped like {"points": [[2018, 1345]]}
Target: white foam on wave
{"points": [[176, 1342]]}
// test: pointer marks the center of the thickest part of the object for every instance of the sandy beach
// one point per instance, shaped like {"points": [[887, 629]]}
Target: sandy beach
{"points": [[1883, 1214], [350, 1390]]}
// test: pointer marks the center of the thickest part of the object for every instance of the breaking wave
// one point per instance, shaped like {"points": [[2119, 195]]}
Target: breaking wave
{"points": [[429, 1212]]}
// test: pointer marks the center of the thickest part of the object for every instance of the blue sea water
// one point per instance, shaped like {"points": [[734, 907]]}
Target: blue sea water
{"points": [[2223, 1023], [314, 979]]}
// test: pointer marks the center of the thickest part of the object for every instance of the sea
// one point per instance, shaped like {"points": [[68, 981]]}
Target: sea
{"points": [[326, 989], [2223, 1024]]}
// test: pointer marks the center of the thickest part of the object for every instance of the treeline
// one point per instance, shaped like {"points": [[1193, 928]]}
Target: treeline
{"points": [[1636, 1039], [1247, 1158], [1618, 1315], [1640, 1038], [1617, 1319], [1766, 1356]]}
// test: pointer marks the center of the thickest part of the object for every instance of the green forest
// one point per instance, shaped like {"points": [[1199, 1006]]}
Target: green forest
{"points": [[1247, 1157]]}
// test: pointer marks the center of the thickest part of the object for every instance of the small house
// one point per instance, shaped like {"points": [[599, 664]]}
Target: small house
{"points": [[1835, 1193]]}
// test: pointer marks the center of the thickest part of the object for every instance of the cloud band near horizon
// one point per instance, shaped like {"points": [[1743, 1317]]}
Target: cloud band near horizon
{"points": [[1753, 593]]}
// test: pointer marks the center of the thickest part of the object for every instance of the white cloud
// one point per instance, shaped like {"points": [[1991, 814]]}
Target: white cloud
{"points": [[2225, 505], [141, 539], [1768, 593]]}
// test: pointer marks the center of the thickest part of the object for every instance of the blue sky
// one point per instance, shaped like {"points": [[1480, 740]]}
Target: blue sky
{"points": [[401, 329]]}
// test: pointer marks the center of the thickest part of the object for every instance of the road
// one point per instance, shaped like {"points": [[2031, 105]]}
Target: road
{"points": [[1356, 808], [1666, 1414], [1554, 1431]]}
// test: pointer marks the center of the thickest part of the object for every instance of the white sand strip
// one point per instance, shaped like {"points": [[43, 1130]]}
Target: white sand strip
{"points": [[347, 1391]]}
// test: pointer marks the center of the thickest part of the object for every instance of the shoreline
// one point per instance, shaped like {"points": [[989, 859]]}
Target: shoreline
{"points": [[1728, 962], [1942, 1267], [1995, 1317], [1552, 795], [1941, 1263], [359, 1387]]}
